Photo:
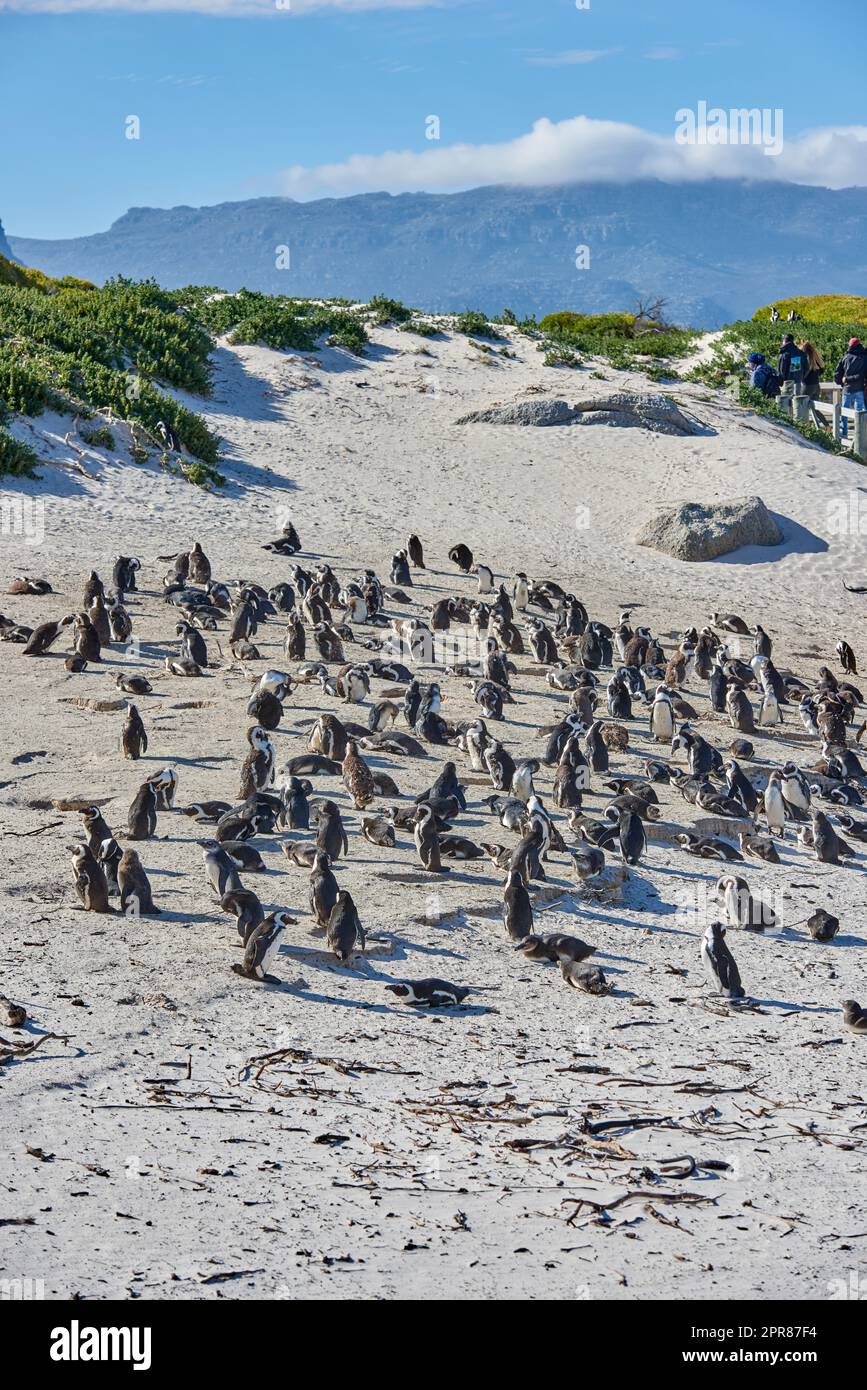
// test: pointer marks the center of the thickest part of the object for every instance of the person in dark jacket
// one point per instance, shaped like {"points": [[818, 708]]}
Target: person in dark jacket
{"points": [[851, 374], [792, 365], [762, 375]]}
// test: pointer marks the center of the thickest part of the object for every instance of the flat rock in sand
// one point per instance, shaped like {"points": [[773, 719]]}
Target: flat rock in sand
{"points": [[625, 409], [704, 530], [522, 413]]}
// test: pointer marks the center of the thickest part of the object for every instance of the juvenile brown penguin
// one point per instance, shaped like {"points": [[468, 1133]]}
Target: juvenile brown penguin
{"points": [[133, 739], [90, 883], [136, 899], [357, 777]]}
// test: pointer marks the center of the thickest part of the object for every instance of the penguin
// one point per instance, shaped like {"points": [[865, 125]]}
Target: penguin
{"points": [[774, 805], [846, 657], [458, 847], [521, 591], [198, 565], [344, 930], [707, 847], [415, 552], [763, 644], [378, 831], [86, 638], [93, 588], [323, 888], [357, 777], [740, 787], [758, 847], [719, 963], [165, 783], [795, 789], [262, 946], [244, 856], [826, 842], [257, 771], [589, 978], [133, 684], [245, 907], [596, 748], [142, 816], [98, 615], [433, 994], [741, 908], [193, 645], [119, 621], [522, 779], [517, 908], [662, 716], [295, 639], [541, 641], [296, 807], [220, 870], [400, 571], [44, 636], [854, 1018], [462, 556], [182, 666], [95, 828], [287, 543], [331, 834], [283, 598], [90, 881], [740, 711], [587, 862], [485, 579], [822, 926], [124, 572], [500, 765], [109, 856], [718, 684], [854, 829], [427, 840], [633, 841], [265, 708], [206, 812], [136, 899], [301, 854]]}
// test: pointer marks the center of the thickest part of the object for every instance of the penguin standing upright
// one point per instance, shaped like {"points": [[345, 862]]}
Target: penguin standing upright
{"points": [[427, 840], [109, 856], [774, 805], [826, 842], [662, 716], [257, 772], [95, 827], [142, 817], [296, 807], [415, 552], [262, 946], [323, 888], [632, 837], [517, 908], [136, 898], [344, 930], [331, 834], [90, 882], [220, 870], [719, 963]]}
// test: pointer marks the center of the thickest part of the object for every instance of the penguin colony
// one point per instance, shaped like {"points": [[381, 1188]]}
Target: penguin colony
{"points": [[614, 686]]}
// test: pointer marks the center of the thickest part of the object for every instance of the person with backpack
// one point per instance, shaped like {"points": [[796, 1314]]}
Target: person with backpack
{"points": [[762, 375], [791, 366], [851, 374]]}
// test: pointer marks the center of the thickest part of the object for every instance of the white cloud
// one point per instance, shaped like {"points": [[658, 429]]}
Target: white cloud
{"points": [[231, 9], [570, 57], [586, 150], [664, 55]]}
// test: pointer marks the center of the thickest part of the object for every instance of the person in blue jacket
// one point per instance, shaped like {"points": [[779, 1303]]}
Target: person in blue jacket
{"points": [[762, 375]]}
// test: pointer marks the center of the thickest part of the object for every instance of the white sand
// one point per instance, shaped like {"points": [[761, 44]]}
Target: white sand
{"points": [[226, 1184]]}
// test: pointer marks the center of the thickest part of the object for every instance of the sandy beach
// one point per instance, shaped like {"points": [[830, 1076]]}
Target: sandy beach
{"points": [[188, 1134]]}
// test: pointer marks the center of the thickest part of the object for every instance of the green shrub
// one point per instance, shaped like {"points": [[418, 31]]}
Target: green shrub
{"points": [[473, 323], [421, 327], [101, 438], [561, 357], [818, 308], [387, 310], [17, 460], [569, 325]]}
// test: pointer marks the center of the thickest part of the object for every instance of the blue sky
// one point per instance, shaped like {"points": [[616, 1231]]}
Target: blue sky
{"points": [[276, 102]]}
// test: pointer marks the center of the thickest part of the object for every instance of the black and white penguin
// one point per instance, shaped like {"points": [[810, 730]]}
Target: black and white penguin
{"points": [[400, 571], [517, 908], [287, 543], [796, 790], [142, 816], [485, 579], [740, 787], [462, 556], [588, 977], [90, 882], [344, 930], [296, 806], [433, 994], [739, 710], [719, 963], [262, 946], [854, 1018], [193, 645], [136, 898], [109, 856], [331, 833], [165, 783], [95, 828], [717, 682], [822, 926], [119, 620], [133, 684], [415, 552], [220, 870], [126, 567], [846, 657], [244, 856], [741, 908], [245, 907], [427, 840], [257, 771], [774, 805], [633, 841], [500, 765], [662, 716]]}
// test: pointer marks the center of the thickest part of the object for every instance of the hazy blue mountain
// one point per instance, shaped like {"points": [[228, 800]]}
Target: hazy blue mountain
{"points": [[5, 248], [715, 250]]}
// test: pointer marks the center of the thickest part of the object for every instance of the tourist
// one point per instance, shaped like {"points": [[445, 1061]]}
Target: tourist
{"points": [[851, 374]]}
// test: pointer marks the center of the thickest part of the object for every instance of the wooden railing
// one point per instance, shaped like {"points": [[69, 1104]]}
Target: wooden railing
{"points": [[830, 409]]}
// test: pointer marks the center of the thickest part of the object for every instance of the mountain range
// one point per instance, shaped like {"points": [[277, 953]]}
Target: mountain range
{"points": [[715, 250]]}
